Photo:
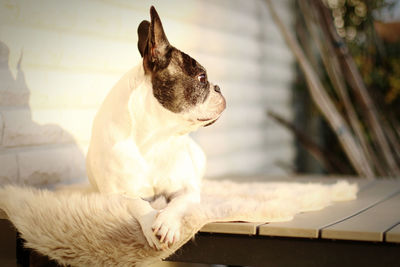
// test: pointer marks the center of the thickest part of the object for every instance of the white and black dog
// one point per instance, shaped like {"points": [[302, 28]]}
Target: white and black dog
{"points": [[140, 146]]}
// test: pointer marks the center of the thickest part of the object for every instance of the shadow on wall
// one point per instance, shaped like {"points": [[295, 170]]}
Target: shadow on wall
{"points": [[30, 153]]}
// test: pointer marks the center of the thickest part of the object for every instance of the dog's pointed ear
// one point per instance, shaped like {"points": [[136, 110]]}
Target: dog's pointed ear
{"points": [[143, 34], [158, 42]]}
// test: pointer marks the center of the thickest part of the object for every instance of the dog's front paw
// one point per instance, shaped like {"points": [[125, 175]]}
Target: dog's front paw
{"points": [[146, 221], [167, 228]]}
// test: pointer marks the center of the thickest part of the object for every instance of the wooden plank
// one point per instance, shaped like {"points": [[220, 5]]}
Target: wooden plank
{"points": [[8, 244], [251, 228], [369, 225], [393, 235], [242, 250], [3, 215], [242, 228], [309, 224]]}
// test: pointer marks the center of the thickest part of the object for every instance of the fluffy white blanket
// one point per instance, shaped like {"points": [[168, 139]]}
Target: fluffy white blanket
{"points": [[89, 229]]}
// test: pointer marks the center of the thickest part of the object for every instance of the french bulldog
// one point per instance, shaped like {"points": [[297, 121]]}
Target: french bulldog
{"points": [[140, 147]]}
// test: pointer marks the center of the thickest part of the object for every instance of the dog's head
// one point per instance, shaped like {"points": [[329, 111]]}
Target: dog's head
{"points": [[180, 83]]}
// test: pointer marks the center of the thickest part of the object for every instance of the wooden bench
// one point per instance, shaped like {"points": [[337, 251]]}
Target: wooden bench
{"points": [[8, 242], [363, 232]]}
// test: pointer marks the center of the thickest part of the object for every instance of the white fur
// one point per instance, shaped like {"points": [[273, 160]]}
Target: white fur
{"points": [[91, 229], [140, 150]]}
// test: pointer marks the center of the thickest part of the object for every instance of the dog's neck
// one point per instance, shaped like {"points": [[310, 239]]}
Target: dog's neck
{"points": [[150, 122]]}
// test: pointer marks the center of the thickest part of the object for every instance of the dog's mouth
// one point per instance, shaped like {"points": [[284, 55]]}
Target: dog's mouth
{"points": [[214, 111], [202, 120], [208, 124]]}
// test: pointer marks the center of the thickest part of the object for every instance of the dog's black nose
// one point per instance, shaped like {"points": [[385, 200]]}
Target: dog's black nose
{"points": [[217, 89]]}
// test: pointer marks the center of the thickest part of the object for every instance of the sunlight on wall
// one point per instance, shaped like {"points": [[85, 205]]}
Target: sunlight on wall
{"points": [[60, 58]]}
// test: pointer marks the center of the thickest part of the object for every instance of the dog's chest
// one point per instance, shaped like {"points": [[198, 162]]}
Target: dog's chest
{"points": [[170, 165]]}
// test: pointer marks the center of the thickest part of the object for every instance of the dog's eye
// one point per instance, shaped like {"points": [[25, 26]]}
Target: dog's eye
{"points": [[202, 78]]}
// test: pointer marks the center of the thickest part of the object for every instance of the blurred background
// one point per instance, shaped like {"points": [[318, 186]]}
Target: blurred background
{"points": [[60, 58], [334, 111]]}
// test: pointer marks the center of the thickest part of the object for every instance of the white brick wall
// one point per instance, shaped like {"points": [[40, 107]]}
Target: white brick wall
{"points": [[49, 165], [8, 167], [1, 128], [58, 59]]}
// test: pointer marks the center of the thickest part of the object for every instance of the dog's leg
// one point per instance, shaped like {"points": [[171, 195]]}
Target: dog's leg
{"points": [[146, 215], [190, 162], [168, 221]]}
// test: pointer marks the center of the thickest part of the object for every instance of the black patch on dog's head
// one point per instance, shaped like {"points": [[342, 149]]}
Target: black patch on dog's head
{"points": [[174, 75], [143, 34], [176, 86]]}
